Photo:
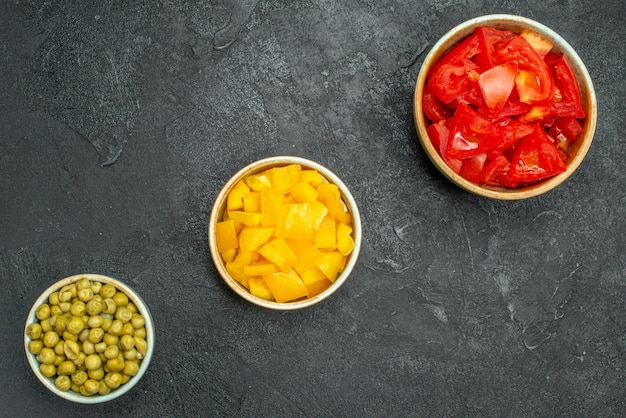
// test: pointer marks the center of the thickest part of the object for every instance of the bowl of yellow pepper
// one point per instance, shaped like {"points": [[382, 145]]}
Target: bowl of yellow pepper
{"points": [[284, 233]]}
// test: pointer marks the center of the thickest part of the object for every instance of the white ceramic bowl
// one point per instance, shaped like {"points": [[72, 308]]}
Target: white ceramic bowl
{"points": [[576, 152], [142, 308], [218, 212]]}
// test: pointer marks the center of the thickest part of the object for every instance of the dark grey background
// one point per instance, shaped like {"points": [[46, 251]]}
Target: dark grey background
{"points": [[121, 120]]}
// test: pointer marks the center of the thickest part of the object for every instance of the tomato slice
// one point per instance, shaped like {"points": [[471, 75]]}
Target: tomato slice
{"points": [[439, 135], [566, 129], [565, 100], [433, 108], [449, 81], [472, 167], [448, 78], [464, 50], [496, 85], [538, 42], [535, 158], [489, 39], [535, 83], [512, 131], [571, 104], [471, 133], [499, 165]]}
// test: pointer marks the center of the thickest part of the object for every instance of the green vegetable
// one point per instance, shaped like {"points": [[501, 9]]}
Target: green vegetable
{"points": [[89, 337]]}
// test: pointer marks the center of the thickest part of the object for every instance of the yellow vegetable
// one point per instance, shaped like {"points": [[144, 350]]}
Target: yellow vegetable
{"points": [[326, 235], [345, 243], [330, 264], [303, 192], [285, 234], [278, 252], [259, 288], [250, 239], [260, 269], [234, 201], [282, 179], [246, 218], [286, 286], [313, 177], [226, 236]]}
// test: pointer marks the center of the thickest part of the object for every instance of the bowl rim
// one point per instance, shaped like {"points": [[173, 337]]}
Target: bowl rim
{"points": [[267, 163], [48, 382], [454, 35]]}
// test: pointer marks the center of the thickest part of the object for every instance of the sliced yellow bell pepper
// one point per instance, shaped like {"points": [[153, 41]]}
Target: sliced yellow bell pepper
{"points": [[250, 239], [318, 287], [345, 242], [234, 200], [245, 218], [258, 182], [330, 264], [286, 286], [259, 288], [313, 177], [303, 192], [278, 252], [271, 202], [326, 234], [226, 235], [282, 179], [260, 269], [252, 202]]}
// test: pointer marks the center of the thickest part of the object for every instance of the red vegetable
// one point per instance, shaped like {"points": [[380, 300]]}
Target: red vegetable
{"points": [[496, 84], [504, 108], [535, 158]]}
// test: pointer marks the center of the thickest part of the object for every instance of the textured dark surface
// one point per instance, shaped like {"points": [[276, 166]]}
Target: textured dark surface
{"points": [[120, 122]]}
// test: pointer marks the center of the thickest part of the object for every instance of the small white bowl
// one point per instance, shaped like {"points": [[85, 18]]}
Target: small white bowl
{"points": [[142, 308], [218, 212]]}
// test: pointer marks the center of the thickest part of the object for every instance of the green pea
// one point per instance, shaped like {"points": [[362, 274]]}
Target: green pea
{"points": [[63, 383], [47, 355], [47, 370], [50, 338], [113, 380], [94, 307], [34, 331], [75, 325], [43, 312], [35, 346], [79, 377]]}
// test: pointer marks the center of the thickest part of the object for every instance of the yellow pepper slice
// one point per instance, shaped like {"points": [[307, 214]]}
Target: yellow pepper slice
{"points": [[286, 286]]}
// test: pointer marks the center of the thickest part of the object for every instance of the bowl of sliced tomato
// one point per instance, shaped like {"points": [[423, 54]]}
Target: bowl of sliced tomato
{"points": [[504, 107]]}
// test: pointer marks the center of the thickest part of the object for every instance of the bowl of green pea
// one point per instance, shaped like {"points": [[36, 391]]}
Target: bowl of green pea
{"points": [[89, 338]]}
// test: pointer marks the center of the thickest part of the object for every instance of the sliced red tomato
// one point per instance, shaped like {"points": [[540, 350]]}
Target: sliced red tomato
{"points": [[535, 85], [450, 80], [566, 129], [496, 85], [565, 99], [535, 158], [449, 76], [439, 134], [464, 50], [570, 104], [512, 131], [499, 165], [489, 39], [433, 108], [471, 133], [538, 42], [512, 107], [473, 167], [506, 106]]}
